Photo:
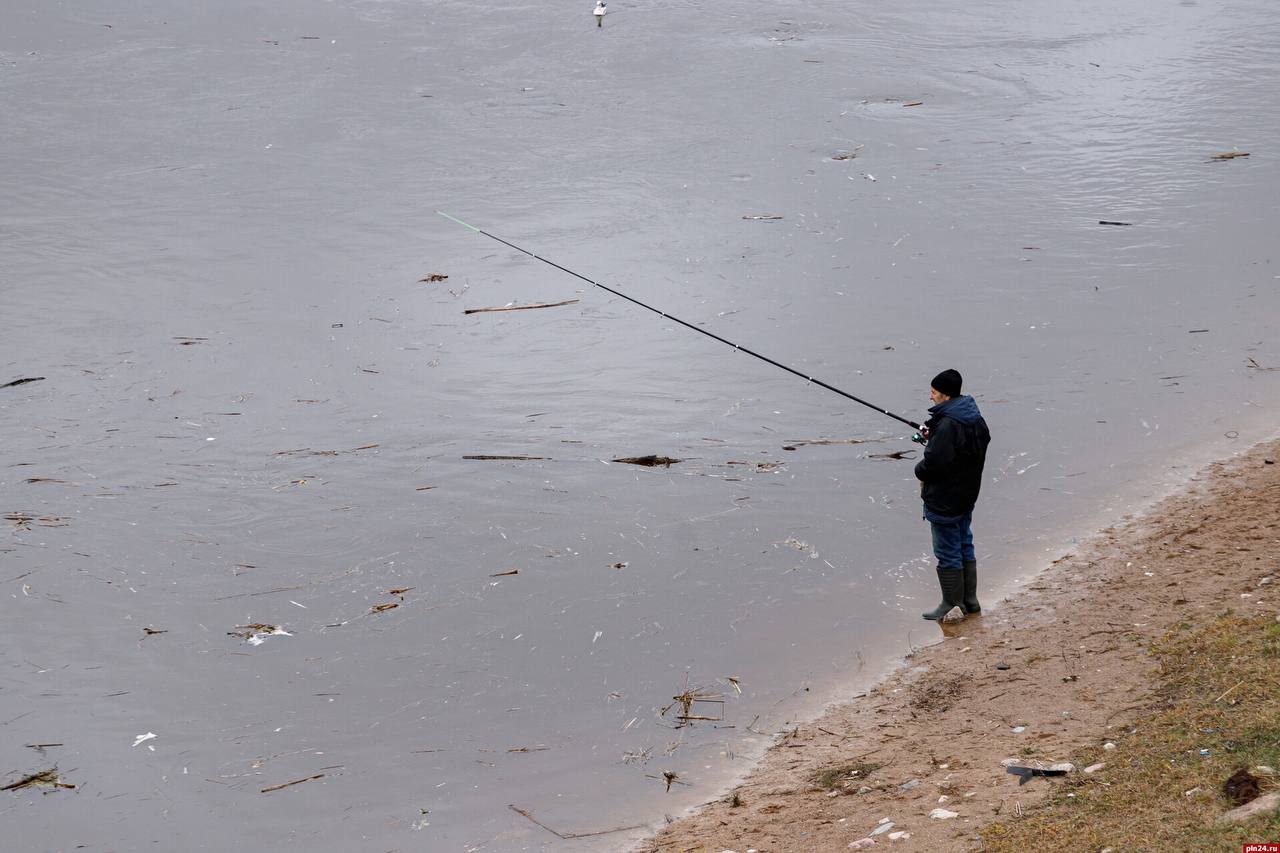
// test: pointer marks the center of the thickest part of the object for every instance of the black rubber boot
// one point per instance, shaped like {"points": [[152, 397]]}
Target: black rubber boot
{"points": [[971, 604], [952, 583]]}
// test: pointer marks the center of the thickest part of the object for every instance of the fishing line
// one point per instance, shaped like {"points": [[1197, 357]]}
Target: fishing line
{"points": [[687, 325]]}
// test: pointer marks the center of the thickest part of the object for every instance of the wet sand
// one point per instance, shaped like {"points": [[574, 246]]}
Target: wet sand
{"points": [[1073, 644]]}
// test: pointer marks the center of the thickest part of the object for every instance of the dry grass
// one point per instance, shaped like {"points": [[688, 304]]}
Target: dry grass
{"points": [[1218, 688]]}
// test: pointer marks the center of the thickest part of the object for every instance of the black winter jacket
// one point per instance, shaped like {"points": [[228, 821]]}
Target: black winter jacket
{"points": [[951, 469]]}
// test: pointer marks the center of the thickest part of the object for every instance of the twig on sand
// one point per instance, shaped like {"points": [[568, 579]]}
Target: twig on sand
{"points": [[567, 835], [1228, 692], [520, 307]]}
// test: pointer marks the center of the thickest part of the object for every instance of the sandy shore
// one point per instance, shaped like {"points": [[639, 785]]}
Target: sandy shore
{"points": [[1056, 669]]}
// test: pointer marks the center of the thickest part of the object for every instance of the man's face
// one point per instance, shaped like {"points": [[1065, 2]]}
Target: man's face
{"points": [[936, 396]]}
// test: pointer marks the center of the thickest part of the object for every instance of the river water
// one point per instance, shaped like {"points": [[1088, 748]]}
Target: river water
{"points": [[216, 220]]}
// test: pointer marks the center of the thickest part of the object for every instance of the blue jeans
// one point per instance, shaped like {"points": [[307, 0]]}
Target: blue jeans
{"points": [[953, 541]]}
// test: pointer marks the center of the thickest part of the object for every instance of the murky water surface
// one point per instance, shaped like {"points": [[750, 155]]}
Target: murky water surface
{"points": [[215, 224]]}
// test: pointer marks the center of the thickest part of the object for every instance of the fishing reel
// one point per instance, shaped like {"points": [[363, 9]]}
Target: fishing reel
{"points": [[921, 437]]}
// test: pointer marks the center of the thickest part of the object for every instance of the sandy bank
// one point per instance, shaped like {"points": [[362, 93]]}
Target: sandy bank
{"points": [[1055, 670]]}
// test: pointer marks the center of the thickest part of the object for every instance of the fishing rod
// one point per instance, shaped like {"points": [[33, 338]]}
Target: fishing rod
{"points": [[687, 325]]}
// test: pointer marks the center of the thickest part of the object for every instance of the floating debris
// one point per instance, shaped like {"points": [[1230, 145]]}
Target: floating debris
{"points": [[307, 451], [279, 787], [640, 756], [763, 217], [690, 697], [434, 277], [847, 155], [913, 104], [254, 594], [505, 574], [819, 442], [650, 461], [520, 307], [256, 632], [41, 747], [383, 608], [186, 342], [25, 520], [44, 779], [567, 835], [1112, 222], [762, 467], [483, 457], [141, 739], [1229, 155], [22, 381]]}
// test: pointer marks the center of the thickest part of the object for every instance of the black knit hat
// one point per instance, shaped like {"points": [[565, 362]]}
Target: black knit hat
{"points": [[947, 382]]}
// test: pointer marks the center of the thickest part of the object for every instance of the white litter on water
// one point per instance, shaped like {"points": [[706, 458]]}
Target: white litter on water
{"points": [[141, 739]]}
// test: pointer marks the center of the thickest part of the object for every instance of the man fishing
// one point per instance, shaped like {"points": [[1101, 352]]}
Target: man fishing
{"points": [[950, 476]]}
